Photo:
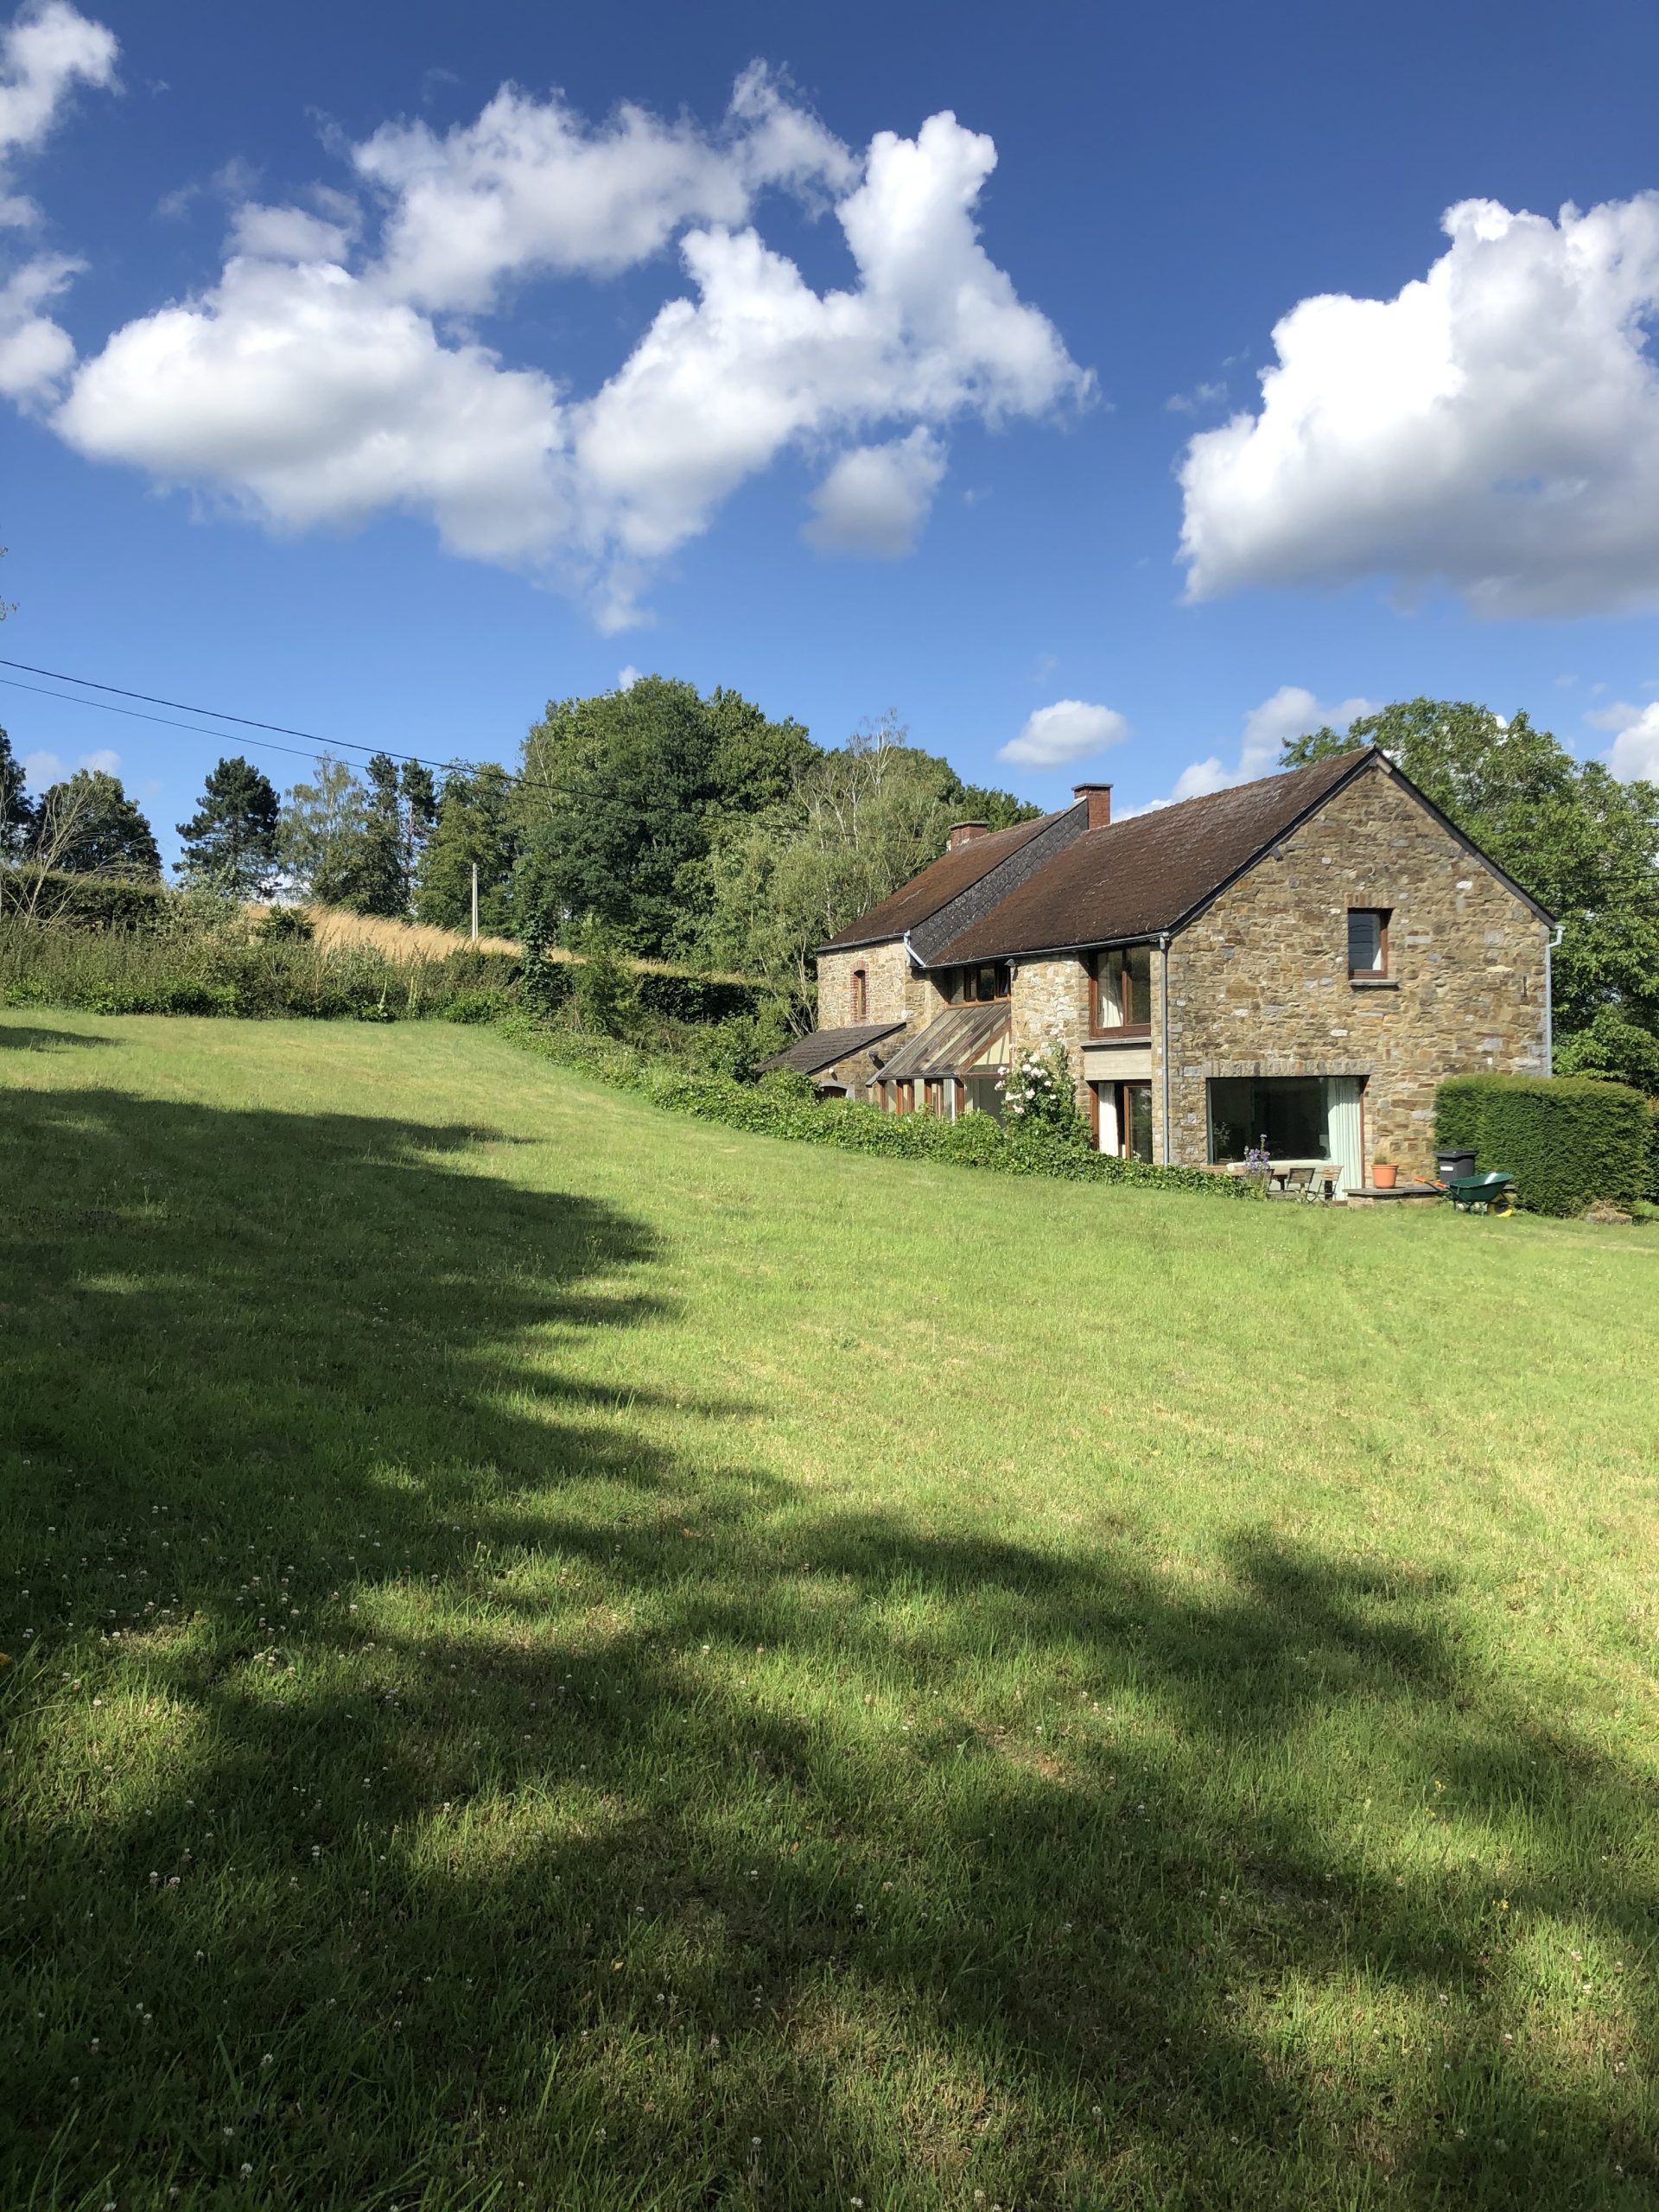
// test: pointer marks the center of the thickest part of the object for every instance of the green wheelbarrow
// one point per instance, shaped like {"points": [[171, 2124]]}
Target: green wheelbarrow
{"points": [[1490, 1193]]}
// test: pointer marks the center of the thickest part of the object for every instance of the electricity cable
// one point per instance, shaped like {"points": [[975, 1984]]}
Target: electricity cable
{"points": [[241, 721]]}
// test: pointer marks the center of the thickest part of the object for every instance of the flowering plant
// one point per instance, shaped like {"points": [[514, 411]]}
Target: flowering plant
{"points": [[1258, 1161], [1039, 1091]]}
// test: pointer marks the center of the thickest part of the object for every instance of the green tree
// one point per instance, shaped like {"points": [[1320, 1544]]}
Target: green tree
{"points": [[321, 833], [381, 885], [230, 842], [604, 994], [621, 796], [1584, 844], [1001, 810], [16, 814], [476, 825], [88, 825], [862, 820], [418, 791]]}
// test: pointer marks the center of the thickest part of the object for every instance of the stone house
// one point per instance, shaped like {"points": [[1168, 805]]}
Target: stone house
{"points": [[1303, 958]]}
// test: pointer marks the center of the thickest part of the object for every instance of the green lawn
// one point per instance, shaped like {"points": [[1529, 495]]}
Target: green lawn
{"points": [[568, 1657]]}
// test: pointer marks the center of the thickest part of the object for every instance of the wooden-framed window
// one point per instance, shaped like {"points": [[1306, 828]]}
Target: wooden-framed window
{"points": [[1121, 991], [860, 994], [933, 1098], [1367, 941], [1120, 1118], [987, 979]]}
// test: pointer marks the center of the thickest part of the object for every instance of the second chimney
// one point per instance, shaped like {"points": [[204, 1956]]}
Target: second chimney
{"points": [[963, 833], [1098, 799]]}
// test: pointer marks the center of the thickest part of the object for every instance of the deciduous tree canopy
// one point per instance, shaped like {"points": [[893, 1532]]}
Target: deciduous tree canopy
{"points": [[88, 825]]}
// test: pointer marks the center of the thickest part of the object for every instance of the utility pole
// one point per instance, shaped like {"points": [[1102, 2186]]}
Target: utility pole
{"points": [[474, 900]]}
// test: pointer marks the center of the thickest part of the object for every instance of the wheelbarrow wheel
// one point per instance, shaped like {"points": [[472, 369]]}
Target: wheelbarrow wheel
{"points": [[1503, 1205]]}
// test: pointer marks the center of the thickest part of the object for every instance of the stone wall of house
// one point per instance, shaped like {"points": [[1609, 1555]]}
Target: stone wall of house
{"points": [[1049, 998], [895, 991], [1259, 983]]}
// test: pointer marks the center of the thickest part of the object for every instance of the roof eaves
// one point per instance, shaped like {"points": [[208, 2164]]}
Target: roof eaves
{"points": [[1363, 759], [1468, 843]]}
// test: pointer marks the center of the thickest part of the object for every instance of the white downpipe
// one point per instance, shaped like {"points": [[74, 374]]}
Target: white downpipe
{"points": [[1549, 998], [1163, 996]]}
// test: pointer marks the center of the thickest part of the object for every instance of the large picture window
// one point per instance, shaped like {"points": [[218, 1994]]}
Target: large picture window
{"points": [[1122, 988], [1290, 1114]]}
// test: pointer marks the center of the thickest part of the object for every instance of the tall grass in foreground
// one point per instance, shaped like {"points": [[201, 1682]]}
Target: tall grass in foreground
{"points": [[569, 1658]]}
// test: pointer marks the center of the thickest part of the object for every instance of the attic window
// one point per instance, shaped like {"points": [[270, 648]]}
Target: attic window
{"points": [[1367, 941]]}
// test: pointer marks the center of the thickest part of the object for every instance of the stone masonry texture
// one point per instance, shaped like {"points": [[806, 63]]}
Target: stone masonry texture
{"points": [[1259, 983]]}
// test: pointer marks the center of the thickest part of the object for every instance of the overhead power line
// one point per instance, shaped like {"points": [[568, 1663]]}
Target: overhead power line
{"points": [[314, 745]]}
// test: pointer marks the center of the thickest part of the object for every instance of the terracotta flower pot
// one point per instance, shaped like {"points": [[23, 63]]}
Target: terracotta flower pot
{"points": [[1383, 1178]]}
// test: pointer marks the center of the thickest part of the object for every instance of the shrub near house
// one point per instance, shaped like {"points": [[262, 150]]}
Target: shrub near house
{"points": [[1568, 1141]]}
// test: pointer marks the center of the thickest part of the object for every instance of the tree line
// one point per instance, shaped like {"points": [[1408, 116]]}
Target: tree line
{"points": [[684, 827], [694, 828]]}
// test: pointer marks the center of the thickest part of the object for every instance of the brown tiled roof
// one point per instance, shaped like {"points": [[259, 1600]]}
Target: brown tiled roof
{"points": [[825, 1046], [1134, 878], [947, 877], [950, 1044]]}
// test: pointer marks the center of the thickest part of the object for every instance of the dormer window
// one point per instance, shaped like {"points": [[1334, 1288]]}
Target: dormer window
{"points": [[860, 994], [1123, 989]]}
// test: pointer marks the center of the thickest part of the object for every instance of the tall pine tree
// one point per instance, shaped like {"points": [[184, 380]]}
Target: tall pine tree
{"points": [[230, 842]]}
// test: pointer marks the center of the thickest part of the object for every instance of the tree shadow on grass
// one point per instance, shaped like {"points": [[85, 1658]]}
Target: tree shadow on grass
{"points": [[489, 1804], [25, 1038]]}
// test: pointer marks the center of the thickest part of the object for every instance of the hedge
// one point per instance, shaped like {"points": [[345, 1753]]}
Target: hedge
{"points": [[88, 902], [1568, 1141], [782, 1105]]}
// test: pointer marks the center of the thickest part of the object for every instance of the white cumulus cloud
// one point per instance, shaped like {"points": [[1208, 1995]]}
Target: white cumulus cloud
{"points": [[1633, 753], [875, 499], [530, 186], [1292, 711], [44, 54], [35, 352], [319, 380], [1069, 730], [1494, 427], [43, 770]]}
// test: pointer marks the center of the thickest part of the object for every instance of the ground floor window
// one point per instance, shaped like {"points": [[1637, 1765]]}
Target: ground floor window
{"points": [[1294, 1116], [1122, 1118]]}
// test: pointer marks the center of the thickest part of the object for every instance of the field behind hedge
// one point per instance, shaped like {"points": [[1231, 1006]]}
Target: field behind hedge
{"points": [[564, 1656]]}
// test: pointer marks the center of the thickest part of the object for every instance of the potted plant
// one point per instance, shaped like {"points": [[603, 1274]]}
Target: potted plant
{"points": [[1383, 1175]]}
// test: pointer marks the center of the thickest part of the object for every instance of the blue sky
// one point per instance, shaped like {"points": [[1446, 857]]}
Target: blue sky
{"points": [[501, 395]]}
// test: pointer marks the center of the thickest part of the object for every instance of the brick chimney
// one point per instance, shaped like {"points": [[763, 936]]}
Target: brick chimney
{"points": [[1098, 799], [963, 833]]}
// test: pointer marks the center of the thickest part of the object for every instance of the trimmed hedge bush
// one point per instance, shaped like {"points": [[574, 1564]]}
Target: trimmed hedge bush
{"points": [[1568, 1141], [783, 1105], [85, 902]]}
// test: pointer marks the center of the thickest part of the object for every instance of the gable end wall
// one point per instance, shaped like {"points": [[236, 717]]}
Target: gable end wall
{"points": [[1259, 983]]}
